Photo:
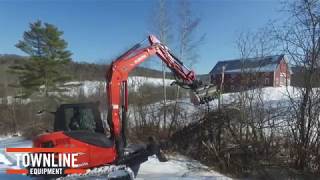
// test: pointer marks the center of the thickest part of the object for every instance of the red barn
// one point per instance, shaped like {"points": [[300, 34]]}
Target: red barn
{"points": [[272, 71]]}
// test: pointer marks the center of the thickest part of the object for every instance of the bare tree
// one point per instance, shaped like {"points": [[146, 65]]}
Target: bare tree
{"points": [[253, 127], [188, 41], [300, 36], [162, 27]]}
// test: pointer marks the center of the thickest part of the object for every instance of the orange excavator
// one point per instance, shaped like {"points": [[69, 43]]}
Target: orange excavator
{"points": [[80, 125]]}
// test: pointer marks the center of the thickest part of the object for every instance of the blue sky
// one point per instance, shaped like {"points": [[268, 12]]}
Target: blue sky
{"points": [[99, 30]]}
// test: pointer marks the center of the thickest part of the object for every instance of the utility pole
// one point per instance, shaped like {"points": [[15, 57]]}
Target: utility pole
{"points": [[164, 95], [221, 86]]}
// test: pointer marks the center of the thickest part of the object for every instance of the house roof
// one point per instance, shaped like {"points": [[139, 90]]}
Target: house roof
{"points": [[258, 64]]}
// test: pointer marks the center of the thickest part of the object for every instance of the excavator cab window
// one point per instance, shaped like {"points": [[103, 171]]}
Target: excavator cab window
{"points": [[80, 118], [83, 116]]}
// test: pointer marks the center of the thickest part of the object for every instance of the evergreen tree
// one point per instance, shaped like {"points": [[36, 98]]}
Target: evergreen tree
{"points": [[43, 72]]}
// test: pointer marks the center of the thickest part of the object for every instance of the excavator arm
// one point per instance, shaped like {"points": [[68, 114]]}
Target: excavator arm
{"points": [[117, 82]]}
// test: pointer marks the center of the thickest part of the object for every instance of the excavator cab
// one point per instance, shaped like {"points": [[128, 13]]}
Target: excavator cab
{"points": [[81, 116], [82, 121]]}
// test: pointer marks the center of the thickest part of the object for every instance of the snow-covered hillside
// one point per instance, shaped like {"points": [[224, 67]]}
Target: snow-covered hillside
{"points": [[88, 88], [178, 167], [269, 95], [92, 87]]}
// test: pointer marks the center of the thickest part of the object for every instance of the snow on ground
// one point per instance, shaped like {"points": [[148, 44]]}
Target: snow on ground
{"points": [[88, 88], [178, 167], [136, 81], [8, 160], [270, 95], [92, 87], [278, 93]]}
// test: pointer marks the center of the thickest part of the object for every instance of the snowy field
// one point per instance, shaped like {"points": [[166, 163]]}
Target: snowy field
{"points": [[134, 82], [178, 167], [92, 87], [269, 94], [276, 97], [88, 88]]}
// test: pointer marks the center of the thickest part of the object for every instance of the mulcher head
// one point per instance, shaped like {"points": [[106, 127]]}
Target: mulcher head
{"points": [[203, 94]]}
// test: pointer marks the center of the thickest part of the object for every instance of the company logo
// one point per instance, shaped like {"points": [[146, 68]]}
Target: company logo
{"points": [[47, 161]]}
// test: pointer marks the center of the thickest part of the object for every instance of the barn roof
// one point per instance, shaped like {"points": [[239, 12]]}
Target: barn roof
{"points": [[258, 64]]}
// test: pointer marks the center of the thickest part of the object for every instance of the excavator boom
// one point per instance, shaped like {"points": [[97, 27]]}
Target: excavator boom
{"points": [[117, 85]]}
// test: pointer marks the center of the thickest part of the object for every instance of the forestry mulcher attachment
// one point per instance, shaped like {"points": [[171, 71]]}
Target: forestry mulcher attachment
{"points": [[80, 125]]}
